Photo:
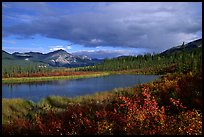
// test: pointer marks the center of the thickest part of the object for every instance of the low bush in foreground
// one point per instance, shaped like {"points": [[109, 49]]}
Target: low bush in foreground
{"points": [[163, 107]]}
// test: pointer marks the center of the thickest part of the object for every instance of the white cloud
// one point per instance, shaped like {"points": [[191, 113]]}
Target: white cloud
{"points": [[156, 25], [58, 47], [69, 47], [96, 41]]}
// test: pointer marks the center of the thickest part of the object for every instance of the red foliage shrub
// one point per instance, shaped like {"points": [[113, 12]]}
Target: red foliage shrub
{"points": [[145, 112]]}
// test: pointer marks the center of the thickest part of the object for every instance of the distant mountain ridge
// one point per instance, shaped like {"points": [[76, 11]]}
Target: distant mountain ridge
{"points": [[185, 47], [58, 58], [6, 55], [61, 58]]}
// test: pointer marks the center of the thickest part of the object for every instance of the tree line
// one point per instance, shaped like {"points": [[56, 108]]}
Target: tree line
{"points": [[14, 70], [184, 61]]}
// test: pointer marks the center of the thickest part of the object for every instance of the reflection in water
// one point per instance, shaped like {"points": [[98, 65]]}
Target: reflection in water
{"points": [[11, 90], [70, 88]]}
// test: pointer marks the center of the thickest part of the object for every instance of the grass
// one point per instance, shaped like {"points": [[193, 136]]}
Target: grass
{"points": [[36, 79], [23, 108], [12, 108], [73, 114], [61, 102]]}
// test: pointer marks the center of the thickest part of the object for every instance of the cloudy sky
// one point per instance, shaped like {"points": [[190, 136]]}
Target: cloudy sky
{"points": [[100, 29]]}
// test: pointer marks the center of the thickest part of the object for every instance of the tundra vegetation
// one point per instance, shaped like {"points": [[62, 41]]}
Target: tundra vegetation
{"points": [[171, 105]]}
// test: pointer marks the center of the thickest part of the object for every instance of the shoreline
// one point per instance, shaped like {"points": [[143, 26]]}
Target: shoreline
{"points": [[50, 78], [57, 103], [15, 80]]}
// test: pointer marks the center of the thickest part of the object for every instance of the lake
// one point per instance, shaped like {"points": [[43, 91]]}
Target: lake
{"points": [[73, 88]]}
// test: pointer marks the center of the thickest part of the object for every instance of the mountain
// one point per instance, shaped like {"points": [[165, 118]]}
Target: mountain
{"points": [[58, 58], [6, 55], [184, 47], [61, 58], [18, 59]]}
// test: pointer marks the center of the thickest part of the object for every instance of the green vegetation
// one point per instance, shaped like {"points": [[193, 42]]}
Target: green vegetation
{"points": [[11, 67], [153, 64], [13, 108], [180, 62], [171, 105], [162, 107]]}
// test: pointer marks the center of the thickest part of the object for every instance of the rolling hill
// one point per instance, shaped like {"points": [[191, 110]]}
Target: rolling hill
{"points": [[185, 47], [61, 58]]}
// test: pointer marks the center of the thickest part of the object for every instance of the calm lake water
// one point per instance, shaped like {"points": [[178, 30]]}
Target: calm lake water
{"points": [[73, 88]]}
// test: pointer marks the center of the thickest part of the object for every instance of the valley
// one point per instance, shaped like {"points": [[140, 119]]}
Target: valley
{"points": [[180, 59], [102, 68], [177, 93]]}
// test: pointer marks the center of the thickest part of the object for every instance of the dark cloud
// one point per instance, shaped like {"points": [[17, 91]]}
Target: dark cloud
{"points": [[146, 25]]}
